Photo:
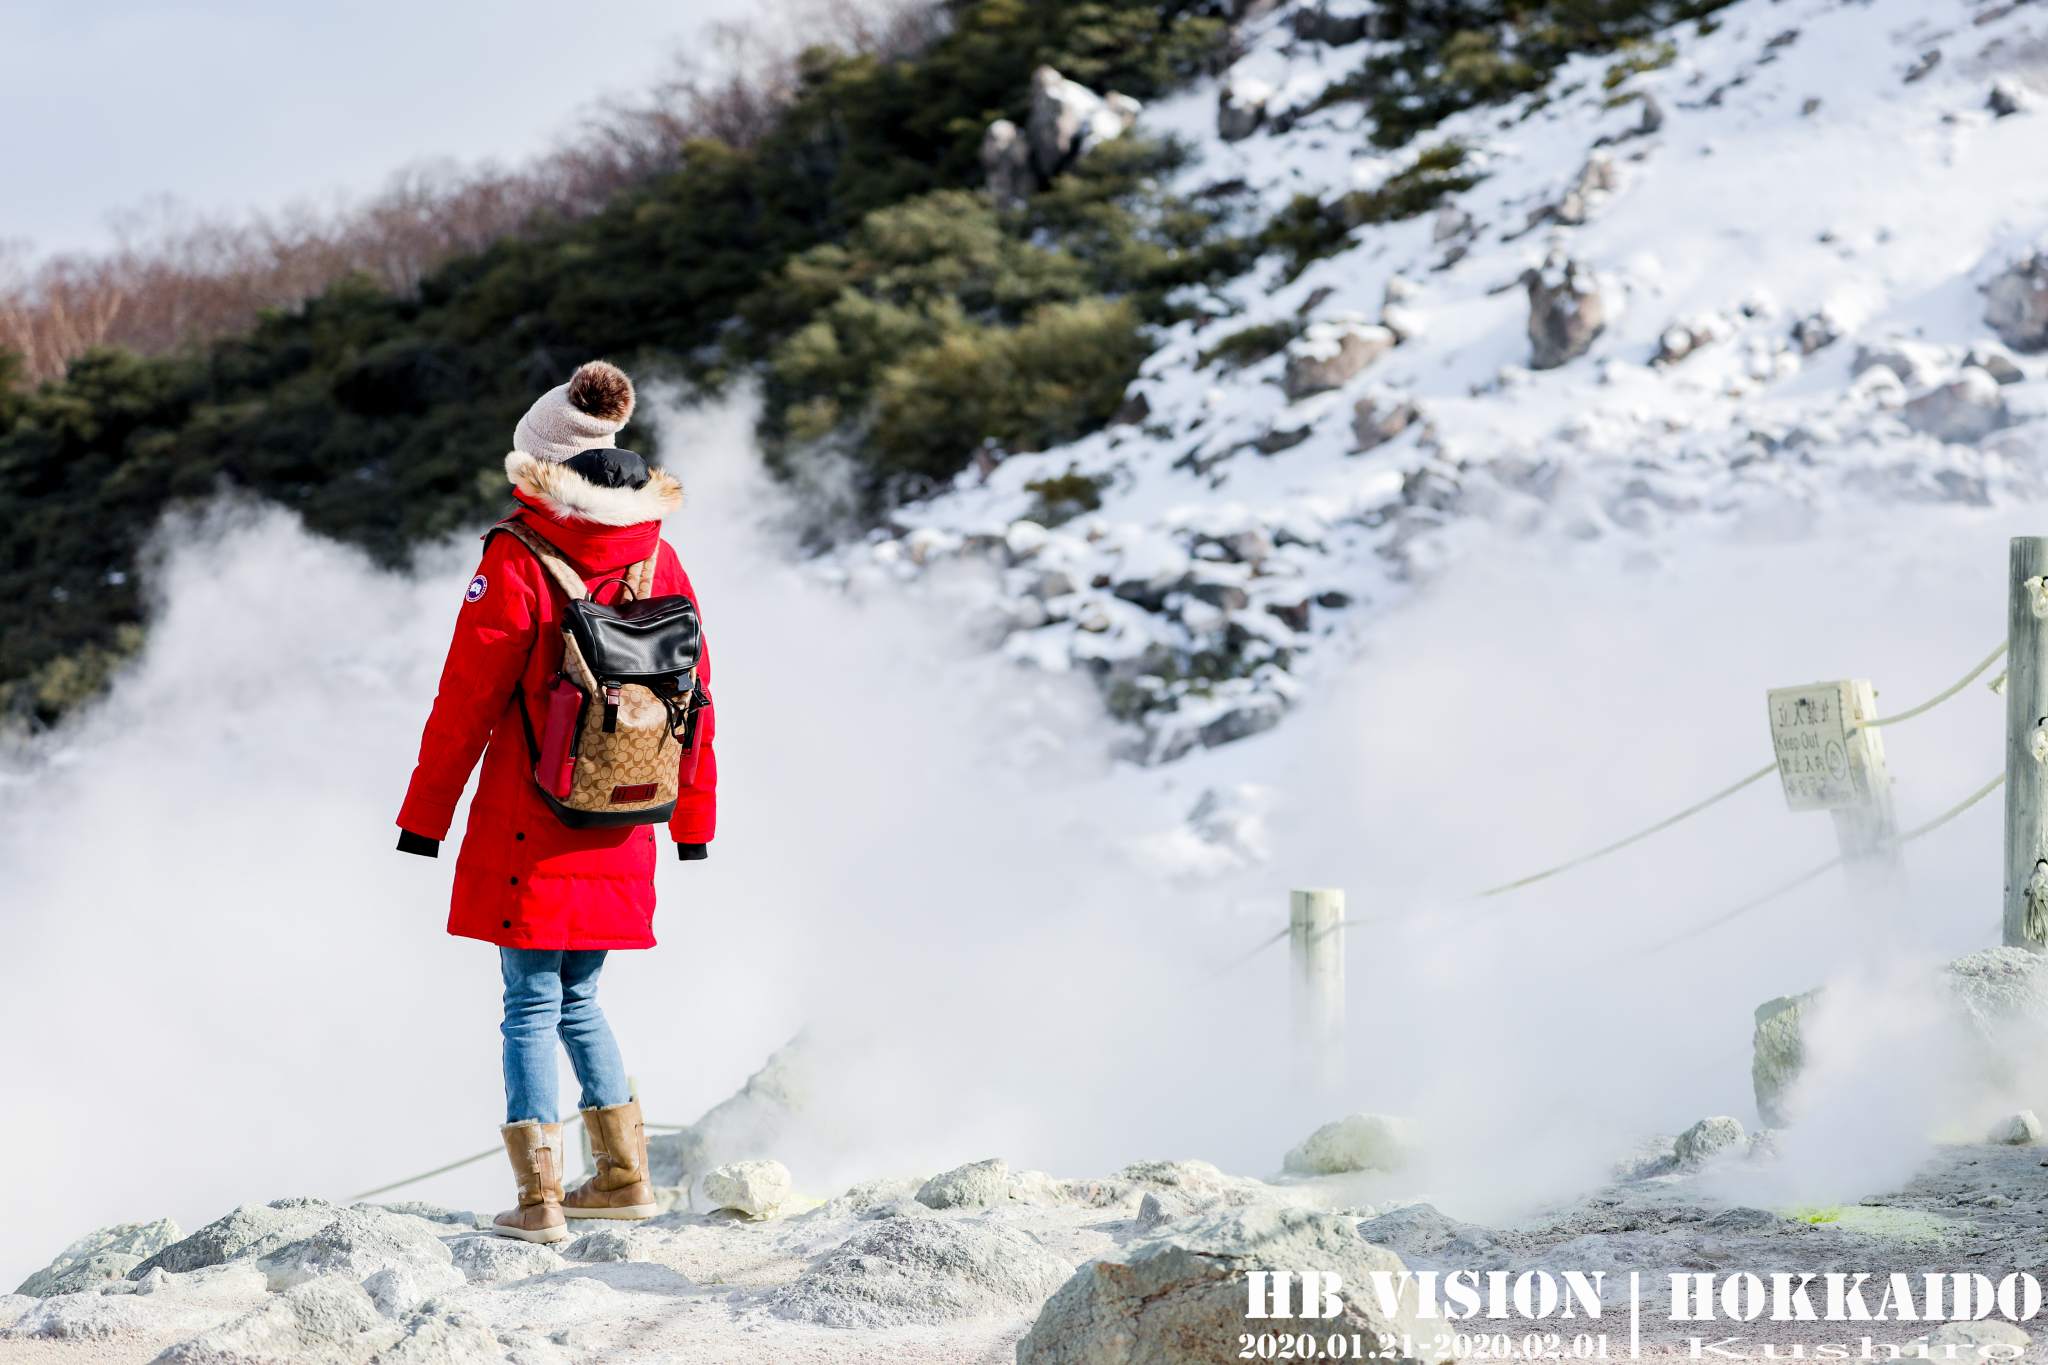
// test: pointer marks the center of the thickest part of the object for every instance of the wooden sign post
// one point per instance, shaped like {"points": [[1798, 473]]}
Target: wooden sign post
{"points": [[1827, 761], [1315, 940], [2026, 746]]}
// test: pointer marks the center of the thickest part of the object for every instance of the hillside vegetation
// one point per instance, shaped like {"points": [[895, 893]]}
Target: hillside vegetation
{"points": [[843, 255]]}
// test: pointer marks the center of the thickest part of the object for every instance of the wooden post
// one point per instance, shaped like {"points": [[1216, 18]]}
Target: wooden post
{"points": [[1868, 832], [2026, 744], [1316, 945]]}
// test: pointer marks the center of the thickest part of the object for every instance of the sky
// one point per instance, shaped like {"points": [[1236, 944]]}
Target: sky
{"points": [[232, 105]]}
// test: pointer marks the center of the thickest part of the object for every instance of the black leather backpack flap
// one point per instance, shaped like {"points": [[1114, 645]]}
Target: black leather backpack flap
{"points": [[652, 642]]}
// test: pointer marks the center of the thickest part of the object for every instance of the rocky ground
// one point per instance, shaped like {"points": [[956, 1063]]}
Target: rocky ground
{"points": [[982, 1264]]}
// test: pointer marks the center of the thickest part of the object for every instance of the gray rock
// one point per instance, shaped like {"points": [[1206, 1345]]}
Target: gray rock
{"points": [[867, 1195], [903, 1206], [2007, 99], [922, 1271], [250, 1230], [1565, 312], [1417, 1230], [1708, 1139], [1814, 331], [1595, 182], [978, 1184], [754, 1188], [1913, 362], [398, 1290], [1318, 25], [1357, 1142], [1160, 1207], [1965, 410], [2001, 990], [439, 1336], [502, 1258], [1681, 339], [1777, 1052], [1746, 1220], [433, 1213], [12, 1306], [1990, 1332], [1241, 722], [1328, 354], [2016, 305], [604, 1246], [107, 1254], [1476, 1248], [2019, 1130], [328, 1320], [1179, 1298], [1006, 164], [1996, 361], [1375, 421], [1067, 118], [354, 1245], [97, 1317], [1241, 108]]}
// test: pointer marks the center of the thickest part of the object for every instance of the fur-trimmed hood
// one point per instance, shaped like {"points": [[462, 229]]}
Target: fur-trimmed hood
{"points": [[567, 494]]}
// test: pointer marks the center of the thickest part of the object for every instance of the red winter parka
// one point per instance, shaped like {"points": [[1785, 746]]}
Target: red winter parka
{"points": [[524, 879]]}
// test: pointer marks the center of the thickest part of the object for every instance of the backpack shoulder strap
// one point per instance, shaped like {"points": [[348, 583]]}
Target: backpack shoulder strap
{"points": [[551, 558], [641, 577]]}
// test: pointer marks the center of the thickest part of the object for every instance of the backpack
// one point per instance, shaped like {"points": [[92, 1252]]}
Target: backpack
{"points": [[620, 740]]}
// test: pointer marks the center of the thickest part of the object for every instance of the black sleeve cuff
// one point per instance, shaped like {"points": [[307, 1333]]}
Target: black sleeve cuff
{"points": [[692, 853], [408, 842]]}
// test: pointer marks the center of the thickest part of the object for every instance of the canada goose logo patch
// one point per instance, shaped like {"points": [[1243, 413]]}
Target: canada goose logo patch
{"points": [[478, 586]]}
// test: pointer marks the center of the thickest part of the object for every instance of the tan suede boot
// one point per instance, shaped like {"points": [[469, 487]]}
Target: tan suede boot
{"points": [[618, 1143], [536, 1152]]}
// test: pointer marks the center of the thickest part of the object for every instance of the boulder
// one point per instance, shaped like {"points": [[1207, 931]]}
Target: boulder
{"points": [[1964, 410], [1241, 108], [494, 1258], [1067, 118], [1777, 1053], [1006, 164], [1375, 421], [2007, 98], [398, 1290], [328, 1320], [107, 1254], [1359, 1142], [1708, 1139], [604, 1245], [1327, 354], [2018, 1130], [1179, 1296], [97, 1317], [922, 1272], [754, 1188], [1417, 1229], [976, 1185], [1565, 312], [2016, 305], [1160, 1207], [251, 1230], [354, 1245]]}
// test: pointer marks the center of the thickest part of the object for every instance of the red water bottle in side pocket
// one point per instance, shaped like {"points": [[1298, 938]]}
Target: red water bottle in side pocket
{"points": [[556, 771]]}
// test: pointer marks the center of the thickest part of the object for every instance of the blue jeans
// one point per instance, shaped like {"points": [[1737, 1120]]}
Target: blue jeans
{"points": [[551, 993]]}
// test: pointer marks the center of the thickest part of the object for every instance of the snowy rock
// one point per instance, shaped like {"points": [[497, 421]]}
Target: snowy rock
{"points": [[398, 1290], [2016, 305], [1777, 1053], [1814, 331], [1405, 323], [754, 1188], [1359, 1142], [1318, 25], [1417, 1229], [1707, 1139], [1592, 188], [108, 1254], [1681, 339], [976, 1185], [1565, 312], [1006, 164], [922, 1271], [1068, 118], [1911, 361], [1375, 421], [1241, 108], [2008, 98], [606, 1245], [2019, 1130], [1179, 1296], [327, 1319], [1260, 714], [1965, 410], [502, 1258], [251, 1230], [1327, 354], [1996, 361], [96, 1317], [355, 1245]]}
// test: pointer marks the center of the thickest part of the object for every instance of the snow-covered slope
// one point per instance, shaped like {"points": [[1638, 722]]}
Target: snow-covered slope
{"points": [[1789, 229]]}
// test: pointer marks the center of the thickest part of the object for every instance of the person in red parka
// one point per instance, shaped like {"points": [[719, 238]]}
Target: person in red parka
{"points": [[554, 900]]}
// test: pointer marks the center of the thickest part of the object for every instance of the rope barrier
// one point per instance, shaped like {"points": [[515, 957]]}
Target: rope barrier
{"points": [[468, 1160], [1803, 878], [1688, 813]]}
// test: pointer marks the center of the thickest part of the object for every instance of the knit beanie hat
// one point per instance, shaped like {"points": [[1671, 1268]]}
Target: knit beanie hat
{"points": [[583, 414]]}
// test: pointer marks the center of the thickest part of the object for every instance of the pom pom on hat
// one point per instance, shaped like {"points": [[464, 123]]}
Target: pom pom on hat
{"points": [[583, 414]]}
